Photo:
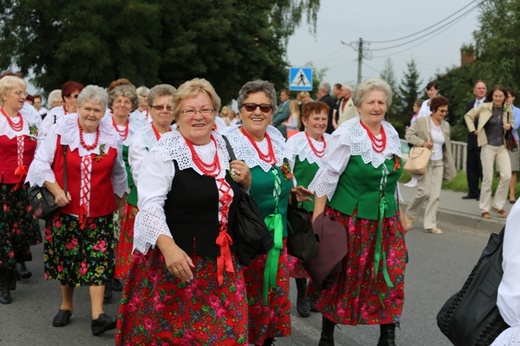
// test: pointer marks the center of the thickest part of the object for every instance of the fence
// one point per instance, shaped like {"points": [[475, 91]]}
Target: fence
{"points": [[458, 150]]}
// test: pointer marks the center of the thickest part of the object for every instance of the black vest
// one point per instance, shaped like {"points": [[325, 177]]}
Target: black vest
{"points": [[191, 210]]}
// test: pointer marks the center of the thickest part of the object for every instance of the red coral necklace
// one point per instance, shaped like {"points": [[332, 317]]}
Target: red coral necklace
{"points": [[122, 133], [270, 158], [210, 169], [377, 144], [82, 141], [318, 153], [16, 127]]}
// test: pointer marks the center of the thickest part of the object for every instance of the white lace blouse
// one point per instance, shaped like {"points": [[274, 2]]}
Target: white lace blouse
{"points": [[298, 146], [32, 122], [349, 139], [508, 300], [155, 181]]}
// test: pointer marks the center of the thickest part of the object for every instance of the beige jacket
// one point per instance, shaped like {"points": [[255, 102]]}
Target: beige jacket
{"points": [[348, 112], [419, 133], [483, 113]]}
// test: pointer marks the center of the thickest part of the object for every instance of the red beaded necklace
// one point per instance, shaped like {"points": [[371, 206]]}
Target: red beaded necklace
{"points": [[377, 144], [156, 132], [16, 127], [123, 133], [211, 169], [318, 153], [269, 157], [82, 141]]}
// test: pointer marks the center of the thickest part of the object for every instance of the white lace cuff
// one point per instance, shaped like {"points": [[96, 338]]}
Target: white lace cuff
{"points": [[324, 183], [149, 225]]}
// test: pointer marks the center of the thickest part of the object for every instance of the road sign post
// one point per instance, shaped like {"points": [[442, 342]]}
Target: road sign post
{"points": [[300, 79]]}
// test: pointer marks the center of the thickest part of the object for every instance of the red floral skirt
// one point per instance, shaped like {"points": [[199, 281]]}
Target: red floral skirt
{"points": [[158, 309], [273, 319], [126, 243], [357, 297], [296, 269]]}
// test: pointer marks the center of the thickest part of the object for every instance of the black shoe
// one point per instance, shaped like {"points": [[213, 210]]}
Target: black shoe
{"points": [[303, 307], [387, 336], [5, 294], [268, 342], [313, 307], [117, 285], [470, 197], [62, 318], [102, 324], [21, 270]]}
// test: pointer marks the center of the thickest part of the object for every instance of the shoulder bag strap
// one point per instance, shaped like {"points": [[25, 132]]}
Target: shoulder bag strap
{"points": [[65, 167], [232, 156]]}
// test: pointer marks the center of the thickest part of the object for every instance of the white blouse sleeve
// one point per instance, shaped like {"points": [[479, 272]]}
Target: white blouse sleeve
{"points": [[508, 300], [119, 177], [40, 169], [153, 186], [136, 153], [333, 164]]}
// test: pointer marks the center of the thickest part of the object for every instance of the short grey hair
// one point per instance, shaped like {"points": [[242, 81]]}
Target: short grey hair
{"points": [[54, 96], [160, 90], [347, 86], [369, 85], [93, 93], [124, 90], [325, 87], [254, 87]]}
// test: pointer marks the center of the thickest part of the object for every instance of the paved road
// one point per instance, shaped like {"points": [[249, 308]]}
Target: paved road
{"points": [[438, 267]]}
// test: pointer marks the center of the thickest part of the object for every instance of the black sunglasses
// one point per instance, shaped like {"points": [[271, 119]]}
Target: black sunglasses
{"points": [[264, 107]]}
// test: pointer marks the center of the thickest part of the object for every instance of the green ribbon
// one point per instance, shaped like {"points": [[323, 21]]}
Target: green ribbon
{"points": [[383, 204], [274, 224]]}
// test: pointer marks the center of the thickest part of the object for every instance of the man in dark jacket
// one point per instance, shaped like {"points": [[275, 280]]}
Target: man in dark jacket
{"points": [[324, 96]]}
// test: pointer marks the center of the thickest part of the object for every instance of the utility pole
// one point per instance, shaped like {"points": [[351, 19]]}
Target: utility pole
{"points": [[359, 60]]}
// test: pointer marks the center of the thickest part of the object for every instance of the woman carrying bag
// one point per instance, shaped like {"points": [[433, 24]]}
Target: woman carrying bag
{"points": [[432, 132]]}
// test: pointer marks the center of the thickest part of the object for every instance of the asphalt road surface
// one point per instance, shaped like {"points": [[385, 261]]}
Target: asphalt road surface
{"points": [[438, 266]]}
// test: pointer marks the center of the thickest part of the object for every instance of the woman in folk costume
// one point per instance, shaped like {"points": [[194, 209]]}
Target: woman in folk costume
{"points": [[262, 147], [161, 114], [19, 136], [356, 184], [185, 285], [79, 239], [305, 151], [69, 95], [122, 101]]}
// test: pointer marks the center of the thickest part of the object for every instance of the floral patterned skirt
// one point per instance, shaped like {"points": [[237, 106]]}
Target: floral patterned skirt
{"points": [[356, 297], [273, 319], [296, 269], [18, 227], [79, 257], [158, 309], [126, 243]]}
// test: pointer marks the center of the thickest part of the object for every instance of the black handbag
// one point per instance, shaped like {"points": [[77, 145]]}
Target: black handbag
{"points": [[251, 235], [301, 241], [471, 316], [511, 142], [42, 200]]}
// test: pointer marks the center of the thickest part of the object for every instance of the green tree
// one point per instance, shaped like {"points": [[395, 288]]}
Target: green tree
{"points": [[227, 42], [408, 91]]}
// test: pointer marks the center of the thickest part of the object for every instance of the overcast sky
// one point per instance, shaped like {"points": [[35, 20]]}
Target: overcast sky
{"points": [[380, 20]]}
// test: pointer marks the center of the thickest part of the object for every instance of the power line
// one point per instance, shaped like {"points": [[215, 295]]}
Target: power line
{"points": [[429, 33], [431, 26]]}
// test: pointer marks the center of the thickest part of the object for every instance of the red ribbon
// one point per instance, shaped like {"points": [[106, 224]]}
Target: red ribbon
{"points": [[20, 172], [82, 216], [224, 260]]}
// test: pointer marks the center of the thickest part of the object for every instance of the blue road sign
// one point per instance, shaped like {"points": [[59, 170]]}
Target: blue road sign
{"points": [[300, 79]]}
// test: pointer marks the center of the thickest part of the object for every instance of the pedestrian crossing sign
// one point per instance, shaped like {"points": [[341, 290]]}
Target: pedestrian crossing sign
{"points": [[300, 79]]}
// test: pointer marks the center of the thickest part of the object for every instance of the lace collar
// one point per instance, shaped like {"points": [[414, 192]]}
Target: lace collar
{"points": [[30, 126], [297, 145], [173, 147], [67, 127], [244, 150], [147, 135], [351, 133]]}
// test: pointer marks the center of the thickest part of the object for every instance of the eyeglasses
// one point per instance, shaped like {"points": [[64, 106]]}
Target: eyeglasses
{"points": [[122, 102], [161, 107], [20, 93], [192, 112], [264, 107]]}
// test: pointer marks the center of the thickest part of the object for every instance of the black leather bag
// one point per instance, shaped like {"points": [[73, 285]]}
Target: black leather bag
{"points": [[511, 142], [301, 241], [471, 317], [251, 235], [42, 200]]}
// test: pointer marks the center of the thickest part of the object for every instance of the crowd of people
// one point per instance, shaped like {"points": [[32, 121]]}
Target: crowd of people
{"points": [[148, 201]]}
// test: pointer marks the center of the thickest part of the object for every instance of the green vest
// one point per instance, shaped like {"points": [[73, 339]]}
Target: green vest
{"points": [[304, 173], [359, 188], [132, 196], [261, 191]]}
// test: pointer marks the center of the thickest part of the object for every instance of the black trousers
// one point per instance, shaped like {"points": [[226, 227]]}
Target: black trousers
{"points": [[473, 171]]}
